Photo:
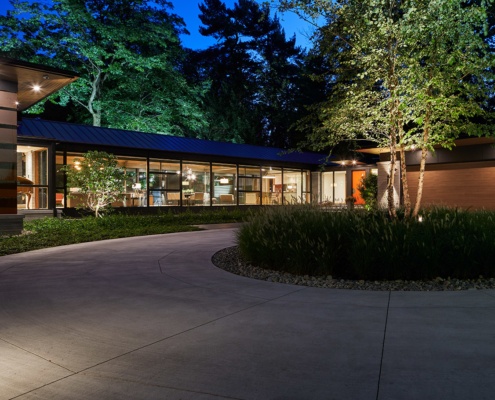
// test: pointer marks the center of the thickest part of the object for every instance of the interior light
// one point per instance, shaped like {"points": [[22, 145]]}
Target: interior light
{"points": [[354, 162], [342, 163], [36, 88]]}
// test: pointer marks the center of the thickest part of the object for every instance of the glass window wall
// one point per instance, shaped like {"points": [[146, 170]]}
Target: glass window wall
{"points": [[333, 187], [249, 185], [224, 184], [195, 180], [164, 183], [272, 186], [136, 183], [293, 187], [32, 177]]}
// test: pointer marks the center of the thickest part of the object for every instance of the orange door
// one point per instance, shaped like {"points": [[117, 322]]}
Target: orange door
{"points": [[356, 182]]}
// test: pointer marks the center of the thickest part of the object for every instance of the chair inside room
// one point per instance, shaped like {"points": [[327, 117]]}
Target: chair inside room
{"points": [[226, 199]]}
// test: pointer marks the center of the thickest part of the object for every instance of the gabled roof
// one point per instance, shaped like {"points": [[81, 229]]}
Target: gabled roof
{"points": [[64, 132]]}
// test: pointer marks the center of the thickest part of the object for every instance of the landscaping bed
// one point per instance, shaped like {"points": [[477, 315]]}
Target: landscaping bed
{"points": [[369, 246]]}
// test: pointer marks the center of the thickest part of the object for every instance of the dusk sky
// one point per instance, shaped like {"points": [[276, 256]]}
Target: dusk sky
{"points": [[189, 11]]}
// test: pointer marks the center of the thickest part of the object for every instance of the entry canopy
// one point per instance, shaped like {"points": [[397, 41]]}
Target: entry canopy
{"points": [[34, 82]]}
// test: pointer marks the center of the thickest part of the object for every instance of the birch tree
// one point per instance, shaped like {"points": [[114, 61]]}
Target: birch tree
{"points": [[407, 73]]}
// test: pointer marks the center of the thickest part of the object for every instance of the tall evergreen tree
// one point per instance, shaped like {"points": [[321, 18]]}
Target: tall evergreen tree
{"points": [[255, 74]]}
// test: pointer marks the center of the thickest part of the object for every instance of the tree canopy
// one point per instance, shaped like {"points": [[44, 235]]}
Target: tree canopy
{"points": [[257, 75], [404, 73], [127, 54]]}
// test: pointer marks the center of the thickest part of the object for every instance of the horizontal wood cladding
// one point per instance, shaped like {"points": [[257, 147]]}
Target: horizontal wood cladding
{"points": [[464, 185]]}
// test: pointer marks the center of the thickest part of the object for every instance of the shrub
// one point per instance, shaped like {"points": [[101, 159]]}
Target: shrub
{"points": [[369, 191], [353, 245]]}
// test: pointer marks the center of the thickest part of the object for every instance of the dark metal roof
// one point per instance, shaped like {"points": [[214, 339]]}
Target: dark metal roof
{"points": [[64, 132]]}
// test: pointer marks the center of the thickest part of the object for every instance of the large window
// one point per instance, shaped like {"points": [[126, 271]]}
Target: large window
{"points": [[32, 177], [333, 187], [293, 187], [156, 182], [164, 183], [306, 187], [224, 184], [195, 180], [249, 185], [272, 186], [135, 185]]}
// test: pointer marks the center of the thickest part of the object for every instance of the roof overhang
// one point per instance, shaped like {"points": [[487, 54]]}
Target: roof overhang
{"points": [[472, 141], [34, 82]]}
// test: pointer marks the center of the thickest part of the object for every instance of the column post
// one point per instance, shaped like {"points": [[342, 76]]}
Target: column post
{"points": [[10, 222]]}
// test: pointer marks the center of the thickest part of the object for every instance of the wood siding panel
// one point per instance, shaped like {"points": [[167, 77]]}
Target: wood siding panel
{"points": [[464, 185]]}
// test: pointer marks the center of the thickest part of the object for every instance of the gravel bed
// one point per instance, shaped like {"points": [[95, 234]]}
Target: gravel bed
{"points": [[230, 260]]}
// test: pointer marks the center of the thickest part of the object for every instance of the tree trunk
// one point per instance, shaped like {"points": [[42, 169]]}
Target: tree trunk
{"points": [[391, 178], [422, 165], [95, 95], [97, 118], [405, 185]]}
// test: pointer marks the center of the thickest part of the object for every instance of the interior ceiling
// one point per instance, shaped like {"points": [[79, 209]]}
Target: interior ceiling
{"points": [[27, 76]]}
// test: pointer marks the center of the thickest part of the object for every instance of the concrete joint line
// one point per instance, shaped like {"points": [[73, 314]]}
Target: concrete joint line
{"points": [[37, 355], [160, 261], [383, 346]]}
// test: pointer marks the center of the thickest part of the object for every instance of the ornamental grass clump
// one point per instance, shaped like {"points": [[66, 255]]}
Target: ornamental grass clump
{"points": [[369, 245], [299, 240]]}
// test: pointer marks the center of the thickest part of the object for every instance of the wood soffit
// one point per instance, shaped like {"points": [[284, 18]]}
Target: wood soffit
{"points": [[27, 76], [458, 143]]}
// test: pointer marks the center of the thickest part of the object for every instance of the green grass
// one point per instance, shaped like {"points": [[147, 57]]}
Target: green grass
{"points": [[51, 232], [368, 245]]}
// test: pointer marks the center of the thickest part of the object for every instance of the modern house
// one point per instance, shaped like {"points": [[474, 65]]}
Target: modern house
{"points": [[168, 171]]}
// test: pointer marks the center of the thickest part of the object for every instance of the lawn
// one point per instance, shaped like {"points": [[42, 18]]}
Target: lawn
{"points": [[51, 232]]}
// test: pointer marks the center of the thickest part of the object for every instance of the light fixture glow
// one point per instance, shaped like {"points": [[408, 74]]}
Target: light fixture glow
{"points": [[36, 88]]}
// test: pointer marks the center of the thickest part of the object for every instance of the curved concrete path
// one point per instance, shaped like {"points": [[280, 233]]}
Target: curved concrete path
{"points": [[152, 318]]}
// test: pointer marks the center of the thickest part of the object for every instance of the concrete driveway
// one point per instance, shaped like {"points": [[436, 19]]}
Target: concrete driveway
{"points": [[152, 318]]}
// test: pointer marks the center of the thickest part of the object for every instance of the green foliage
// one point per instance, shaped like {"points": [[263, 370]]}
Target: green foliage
{"points": [[97, 176], [414, 72], [127, 54], [256, 74], [50, 232], [369, 191], [354, 245]]}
